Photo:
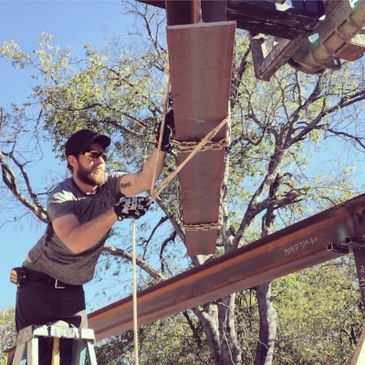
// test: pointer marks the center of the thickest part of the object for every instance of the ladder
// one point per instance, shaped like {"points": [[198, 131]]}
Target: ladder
{"points": [[28, 340]]}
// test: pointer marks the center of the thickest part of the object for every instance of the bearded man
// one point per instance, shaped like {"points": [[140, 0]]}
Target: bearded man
{"points": [[81, 211]]}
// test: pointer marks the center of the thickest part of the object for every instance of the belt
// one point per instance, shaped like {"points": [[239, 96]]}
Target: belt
{"points": [[41, 277]]}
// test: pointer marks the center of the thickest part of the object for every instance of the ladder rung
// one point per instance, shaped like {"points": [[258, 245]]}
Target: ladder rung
{"points": [[26, 351]]}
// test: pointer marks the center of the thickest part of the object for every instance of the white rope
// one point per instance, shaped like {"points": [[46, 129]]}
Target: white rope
{"points": [[134, 261], [134, 290]]}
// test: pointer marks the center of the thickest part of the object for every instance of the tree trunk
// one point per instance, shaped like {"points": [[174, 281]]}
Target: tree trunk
{"points": [[218, 320], [230, 352], [268, 325]]}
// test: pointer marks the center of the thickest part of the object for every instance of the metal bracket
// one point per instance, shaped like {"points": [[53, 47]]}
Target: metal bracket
{"points": [[346, 246], [267, 63], [340, 248], [357, 246], [349, 243]]}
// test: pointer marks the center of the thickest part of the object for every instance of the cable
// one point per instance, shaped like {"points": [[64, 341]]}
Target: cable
{"points": [[134, 290]]}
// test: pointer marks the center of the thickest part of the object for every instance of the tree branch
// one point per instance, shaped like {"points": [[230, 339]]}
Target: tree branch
{"points": [[141, 263], [10, 181]]}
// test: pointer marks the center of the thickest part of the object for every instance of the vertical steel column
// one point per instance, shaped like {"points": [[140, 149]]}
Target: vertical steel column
{"points": [[358, 249], [182, 12], [214, 11], [192, 11], [359, 255]]}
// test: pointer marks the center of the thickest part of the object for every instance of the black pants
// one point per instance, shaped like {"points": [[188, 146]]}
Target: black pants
{"points": [[39, 304]]}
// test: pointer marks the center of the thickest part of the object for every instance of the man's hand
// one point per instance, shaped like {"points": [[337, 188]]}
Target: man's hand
{"points": [[168, 132], [133, 207]]}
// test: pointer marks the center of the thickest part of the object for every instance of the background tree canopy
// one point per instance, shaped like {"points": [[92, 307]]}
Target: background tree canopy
{"points": [[275, 175]]}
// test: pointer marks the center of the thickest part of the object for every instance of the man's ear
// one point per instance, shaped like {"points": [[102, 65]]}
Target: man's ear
{"points": [[72, 160]]}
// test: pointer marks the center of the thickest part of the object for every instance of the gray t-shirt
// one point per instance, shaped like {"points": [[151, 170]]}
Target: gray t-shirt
{"points": [[50, 255]]}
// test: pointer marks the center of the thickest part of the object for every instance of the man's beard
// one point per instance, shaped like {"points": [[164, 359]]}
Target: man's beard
{"points": [[94, 177]]}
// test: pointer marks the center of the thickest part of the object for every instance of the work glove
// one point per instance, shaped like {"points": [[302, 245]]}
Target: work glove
{"points": [[168, 132], [133, 207]]}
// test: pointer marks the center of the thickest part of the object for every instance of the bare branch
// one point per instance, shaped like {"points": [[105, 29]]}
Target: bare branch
{"points": [[348, 136], [194, 330], [159, 223], [237, 77], [126, 81], [2, 119], [170, 238], [342, 103], [302, 107], [141, 263], [10, 181]]}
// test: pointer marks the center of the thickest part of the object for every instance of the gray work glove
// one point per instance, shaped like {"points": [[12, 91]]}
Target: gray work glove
{"points": [[168, 132], [133, 207]]}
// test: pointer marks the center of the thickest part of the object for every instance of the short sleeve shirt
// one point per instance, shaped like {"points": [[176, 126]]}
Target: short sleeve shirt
{"points": [[50, 255]]}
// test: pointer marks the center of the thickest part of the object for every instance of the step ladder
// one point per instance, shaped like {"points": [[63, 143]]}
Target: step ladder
{"points": [[28, 339]]}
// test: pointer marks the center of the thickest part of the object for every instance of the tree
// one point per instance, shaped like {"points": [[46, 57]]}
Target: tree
{"points": [[275, 130], [164, 342], [7, 331], [323, 319]]}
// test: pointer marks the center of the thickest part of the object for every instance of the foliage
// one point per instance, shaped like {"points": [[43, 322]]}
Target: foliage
{"points": [[320, 314], [164, 342], [7, 332]]}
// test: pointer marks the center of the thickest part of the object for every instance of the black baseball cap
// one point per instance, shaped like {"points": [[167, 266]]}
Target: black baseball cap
{"points": [[80, 141]]}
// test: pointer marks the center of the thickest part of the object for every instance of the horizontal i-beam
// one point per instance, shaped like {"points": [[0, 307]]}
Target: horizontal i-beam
{"points": [[291, 249]]}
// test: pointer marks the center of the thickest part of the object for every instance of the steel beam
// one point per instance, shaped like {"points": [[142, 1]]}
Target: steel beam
{"points": [[291, 249], [200, 58], [271, 18], [258, 16]]}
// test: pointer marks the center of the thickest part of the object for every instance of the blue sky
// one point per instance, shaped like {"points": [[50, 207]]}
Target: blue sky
{"points": [[71, 23]]}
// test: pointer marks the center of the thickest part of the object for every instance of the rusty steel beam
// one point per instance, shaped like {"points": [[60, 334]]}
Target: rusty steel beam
{"points": [[200, 67], [214, 11], [314, 240], [267, 63], [271, 18], [258, 16], [200, 59]]}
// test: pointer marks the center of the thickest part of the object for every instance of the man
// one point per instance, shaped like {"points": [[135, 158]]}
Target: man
{"points": [[81, 211]]}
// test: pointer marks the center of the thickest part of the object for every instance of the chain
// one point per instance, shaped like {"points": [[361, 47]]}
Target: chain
{"points": [[197, 148], [201, 226], [188, 147]]}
